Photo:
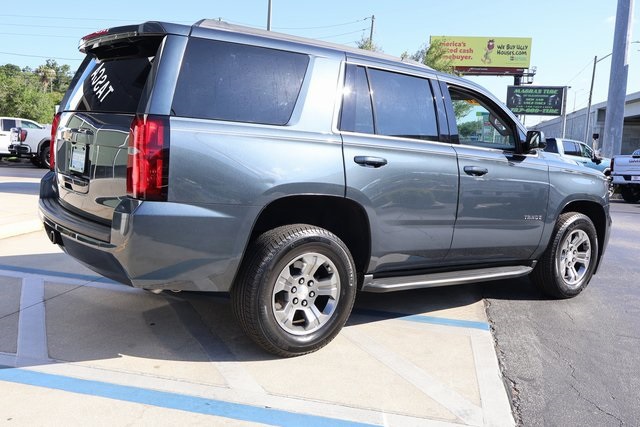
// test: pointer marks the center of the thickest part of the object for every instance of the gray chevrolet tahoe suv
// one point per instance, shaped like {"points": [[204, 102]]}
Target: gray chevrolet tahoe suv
{"points": [[292, 173]]}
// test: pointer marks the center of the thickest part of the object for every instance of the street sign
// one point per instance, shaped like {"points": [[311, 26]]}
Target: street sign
{"points": [[536, 100]]}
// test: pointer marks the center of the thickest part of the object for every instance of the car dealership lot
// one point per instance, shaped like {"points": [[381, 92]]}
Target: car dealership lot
{"points": [[78, 349]]}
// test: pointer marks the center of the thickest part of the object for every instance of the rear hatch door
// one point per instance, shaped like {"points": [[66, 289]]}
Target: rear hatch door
{"points": [[92, 137]]}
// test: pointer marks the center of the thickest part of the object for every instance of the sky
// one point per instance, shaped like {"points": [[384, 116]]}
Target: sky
{"points": [[566, 35]]}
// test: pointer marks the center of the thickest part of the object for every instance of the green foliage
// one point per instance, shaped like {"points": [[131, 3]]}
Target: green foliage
{"points": [[433, 56], [470, 128], [461, 108], [367, 44], [32, 94]]}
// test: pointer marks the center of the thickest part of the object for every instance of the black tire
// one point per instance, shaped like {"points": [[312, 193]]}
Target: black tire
{"points": [[566, 267], [274, 298], [44, 155], [630, 193]]}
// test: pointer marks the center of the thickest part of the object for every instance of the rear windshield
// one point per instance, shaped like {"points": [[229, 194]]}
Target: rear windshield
{"points": [[113, 79], [241, 83]]}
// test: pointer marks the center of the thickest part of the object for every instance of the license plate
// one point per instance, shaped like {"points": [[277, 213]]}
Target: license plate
{"points": [[78, 158], [635, 177]]}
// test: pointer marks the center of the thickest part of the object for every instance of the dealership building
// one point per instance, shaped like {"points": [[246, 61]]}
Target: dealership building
{"points": [[574, 124]]}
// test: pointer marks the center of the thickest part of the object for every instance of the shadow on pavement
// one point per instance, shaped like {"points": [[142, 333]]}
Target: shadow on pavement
{"points": [[521, 289], [110, 321], [31, 188]]}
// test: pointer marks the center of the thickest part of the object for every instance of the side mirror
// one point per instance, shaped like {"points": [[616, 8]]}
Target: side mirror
{"points": [[535, 139]]}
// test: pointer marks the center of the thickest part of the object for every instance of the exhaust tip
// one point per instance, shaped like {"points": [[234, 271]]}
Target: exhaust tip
{"points": [[54, 236]]}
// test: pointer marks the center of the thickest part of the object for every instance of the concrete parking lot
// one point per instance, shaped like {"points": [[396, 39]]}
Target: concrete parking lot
{"points": [[78, 349]]}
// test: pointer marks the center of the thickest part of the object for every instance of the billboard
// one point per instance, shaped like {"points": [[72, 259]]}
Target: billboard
{"points": [[487, 55], [536, 100]]}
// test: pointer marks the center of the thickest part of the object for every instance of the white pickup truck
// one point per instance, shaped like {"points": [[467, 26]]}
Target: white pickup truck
{"points": [[625, 173], [34, 147]]}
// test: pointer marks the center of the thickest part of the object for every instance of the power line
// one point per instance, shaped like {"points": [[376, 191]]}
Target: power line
{"points": [[321, 27], [48, 26], [38, 35], [39, 56], [343, 34], [77, 18], [580, 72]]}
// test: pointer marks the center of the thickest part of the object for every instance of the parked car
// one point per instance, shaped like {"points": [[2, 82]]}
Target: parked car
{"points": [[625, 174], [34, 147], [580, 152], [292, 173]]}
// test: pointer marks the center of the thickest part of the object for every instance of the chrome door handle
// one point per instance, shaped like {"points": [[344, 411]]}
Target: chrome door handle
{"points": [[475, 170], [368, 161]]}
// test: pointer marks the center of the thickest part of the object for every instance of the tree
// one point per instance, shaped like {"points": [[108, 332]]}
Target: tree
{"points": [[433, 56], [46, 75], [470, 128], [32, 94], [367, 44]]}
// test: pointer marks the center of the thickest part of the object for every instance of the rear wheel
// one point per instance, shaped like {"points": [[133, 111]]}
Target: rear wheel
{"points": [[630, 193], [296, 290], [567, 265]]}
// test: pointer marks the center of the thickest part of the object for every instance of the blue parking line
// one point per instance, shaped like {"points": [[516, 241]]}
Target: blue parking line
{"points": [[420, 318], [169, 400]]}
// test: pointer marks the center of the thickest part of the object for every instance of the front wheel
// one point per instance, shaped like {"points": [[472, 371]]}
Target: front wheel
{"points": [[567, 265], [296, 290]]}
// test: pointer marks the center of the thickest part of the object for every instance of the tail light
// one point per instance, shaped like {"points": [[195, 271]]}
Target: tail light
{"points": [[148, 158], [52, 143], [22, 135]]}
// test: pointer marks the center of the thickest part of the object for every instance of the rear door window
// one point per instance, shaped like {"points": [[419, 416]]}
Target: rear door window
{"points": [[403, 105], [388, 103], [240, 83], [357, 113]]}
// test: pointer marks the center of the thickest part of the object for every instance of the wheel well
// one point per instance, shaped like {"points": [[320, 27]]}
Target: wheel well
{"points": [[42, 143], [343, 217], [596, 213]]}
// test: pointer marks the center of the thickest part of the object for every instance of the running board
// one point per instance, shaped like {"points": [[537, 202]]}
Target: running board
{"points": [[390, 284]]}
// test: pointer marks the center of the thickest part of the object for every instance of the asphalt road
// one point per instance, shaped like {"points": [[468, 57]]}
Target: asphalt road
{"points": [[576, 362]]}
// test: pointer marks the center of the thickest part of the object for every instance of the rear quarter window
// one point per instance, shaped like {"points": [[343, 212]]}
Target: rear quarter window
{"points": [[240, 83], [7, 124]]}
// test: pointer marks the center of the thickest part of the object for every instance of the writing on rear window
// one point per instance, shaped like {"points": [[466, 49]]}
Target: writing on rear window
{"points": [[110, 85], [100, 83]]}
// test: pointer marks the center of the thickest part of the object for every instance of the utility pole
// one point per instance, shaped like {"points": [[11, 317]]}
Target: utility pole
{"points": [[593, 77], [614, 120], [565, 90], [373, 21], [269, 17]]}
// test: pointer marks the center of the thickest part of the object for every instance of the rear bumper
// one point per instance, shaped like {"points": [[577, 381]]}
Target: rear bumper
{"points": [[624, 180], [153, 245]]}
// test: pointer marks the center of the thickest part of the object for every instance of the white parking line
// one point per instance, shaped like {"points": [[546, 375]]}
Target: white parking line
{"points": [[241, 387], [32, 328], [466, 411]]}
